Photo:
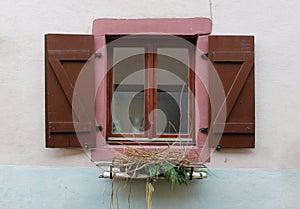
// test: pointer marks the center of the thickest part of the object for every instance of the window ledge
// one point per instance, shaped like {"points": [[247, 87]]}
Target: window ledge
{"points": [[140, 139]]}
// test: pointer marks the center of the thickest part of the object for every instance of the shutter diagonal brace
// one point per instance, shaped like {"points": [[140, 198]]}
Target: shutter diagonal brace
{"points": [[237, 85], [55, 57]]}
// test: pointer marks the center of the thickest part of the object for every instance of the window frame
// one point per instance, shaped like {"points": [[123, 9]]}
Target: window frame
{"points": [[151, 43], [199, 27]]}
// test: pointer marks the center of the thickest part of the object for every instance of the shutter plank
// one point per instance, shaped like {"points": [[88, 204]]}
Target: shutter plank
{"points": [[70, 54], [234, 128], [68, 88], [233, 59], [65, 56], [68, 127]]}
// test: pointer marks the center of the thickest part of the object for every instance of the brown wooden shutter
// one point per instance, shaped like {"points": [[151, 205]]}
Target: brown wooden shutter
{"points": [[65, 56], [233, 59]]}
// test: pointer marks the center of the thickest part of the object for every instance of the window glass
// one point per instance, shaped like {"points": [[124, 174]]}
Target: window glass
{"points": [[150, 90], [172, 77], [128, 90]]}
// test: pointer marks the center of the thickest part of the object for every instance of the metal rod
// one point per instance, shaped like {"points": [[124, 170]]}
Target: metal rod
{"points": [[108, 174]]}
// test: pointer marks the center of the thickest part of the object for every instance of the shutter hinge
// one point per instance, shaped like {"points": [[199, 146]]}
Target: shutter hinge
{"points": [[86, 146], [204, 130], [204, 56], [98, 128], [97, 54]]}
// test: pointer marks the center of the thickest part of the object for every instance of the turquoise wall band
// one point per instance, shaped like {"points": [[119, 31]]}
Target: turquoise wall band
{"points": [[23, 187]]}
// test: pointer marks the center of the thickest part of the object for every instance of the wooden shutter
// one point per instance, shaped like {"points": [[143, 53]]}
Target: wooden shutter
{"points": [[233, 59], [65, 57]]}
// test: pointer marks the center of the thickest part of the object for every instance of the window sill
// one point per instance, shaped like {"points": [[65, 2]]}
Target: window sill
{"points": [[141, 139]]}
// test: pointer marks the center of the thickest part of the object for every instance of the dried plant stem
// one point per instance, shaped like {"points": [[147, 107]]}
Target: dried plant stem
{"points": [[149, 192], [117, 194], [136, 161], [112, 194], [129, 194]]}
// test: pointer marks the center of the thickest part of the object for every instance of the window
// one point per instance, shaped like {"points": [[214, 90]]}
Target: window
{"points": [[154, 76], [151, 91]]}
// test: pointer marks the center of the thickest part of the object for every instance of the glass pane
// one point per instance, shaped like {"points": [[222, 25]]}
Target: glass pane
{"points": [[128, 90], [172, 91]]}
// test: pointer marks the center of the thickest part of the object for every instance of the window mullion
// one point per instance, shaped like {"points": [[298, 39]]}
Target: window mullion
{"points": [[154, 90], [147, 108], [150, 93]]}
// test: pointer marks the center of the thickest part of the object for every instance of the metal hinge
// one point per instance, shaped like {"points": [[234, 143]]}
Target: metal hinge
{"points": [[204, 56], [86, 146], [98, 128], [98, 54], [204, 130]]}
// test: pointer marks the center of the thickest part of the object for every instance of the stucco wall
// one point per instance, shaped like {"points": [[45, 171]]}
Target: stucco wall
{"points": [[79, 188], [23, 25], [275, 25]]}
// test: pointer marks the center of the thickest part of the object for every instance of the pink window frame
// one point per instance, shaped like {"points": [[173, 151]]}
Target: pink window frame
{"points": [[200, 27]]}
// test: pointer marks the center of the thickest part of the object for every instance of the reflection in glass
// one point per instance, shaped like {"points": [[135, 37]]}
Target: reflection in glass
{"points": [[128, 90], [172, 90]]}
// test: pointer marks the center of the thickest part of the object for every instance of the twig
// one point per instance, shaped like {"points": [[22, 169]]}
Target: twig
{"points": [[129, 194], [112, 194]]}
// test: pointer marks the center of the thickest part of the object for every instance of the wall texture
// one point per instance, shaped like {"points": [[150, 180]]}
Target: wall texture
{"points": [[79, 188], [31, 176]]}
